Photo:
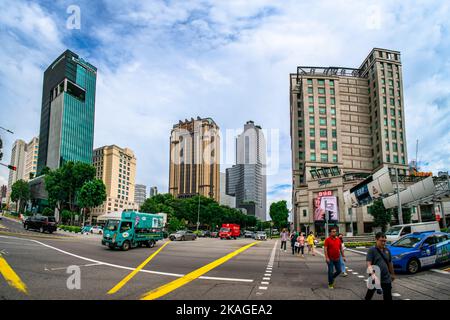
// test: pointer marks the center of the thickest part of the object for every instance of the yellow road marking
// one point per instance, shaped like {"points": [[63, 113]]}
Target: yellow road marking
{"points": [[171, 286], [11, 277], [448, 269], [118, 286]]}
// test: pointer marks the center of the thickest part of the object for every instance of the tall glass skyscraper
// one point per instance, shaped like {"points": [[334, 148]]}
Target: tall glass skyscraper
{"points": [[67, 114]]}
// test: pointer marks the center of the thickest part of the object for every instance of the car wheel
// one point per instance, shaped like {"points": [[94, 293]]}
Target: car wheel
{"points": [[183, 238], [172, 238], [26, 227], [41, 230], [413, 266], [126, 246]]}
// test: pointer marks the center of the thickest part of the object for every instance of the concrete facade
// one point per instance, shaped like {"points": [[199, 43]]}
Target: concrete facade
{"points": [[352, 119], [31, 156], [140, 194], [195, 159], [117, 168], [18, 155], [247, 179], [225, 199]]}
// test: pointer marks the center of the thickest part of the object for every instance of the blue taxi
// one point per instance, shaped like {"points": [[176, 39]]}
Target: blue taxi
{"points": [[415, 251]]}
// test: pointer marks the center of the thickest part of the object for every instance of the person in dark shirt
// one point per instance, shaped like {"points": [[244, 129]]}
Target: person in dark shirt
{"points": [[380, 256]]}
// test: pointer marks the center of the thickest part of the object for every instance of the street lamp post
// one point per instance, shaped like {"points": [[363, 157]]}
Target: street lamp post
{"points": [[400, 214], [198, 212]]}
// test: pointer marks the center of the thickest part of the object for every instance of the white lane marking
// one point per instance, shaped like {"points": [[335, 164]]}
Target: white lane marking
{"points": [[440, 271], [395, 294], [355, 273], [320, 253], [266, 278], [361, 277], [356, 251], [272, 256], [128, 268], [269, 271], [406, 299], [267, 275], [65, 268], [264, 282], [349, 269], [262, 288]]}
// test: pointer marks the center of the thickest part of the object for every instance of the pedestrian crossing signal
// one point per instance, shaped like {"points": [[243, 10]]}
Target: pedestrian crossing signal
{"points": [[12, 167]]}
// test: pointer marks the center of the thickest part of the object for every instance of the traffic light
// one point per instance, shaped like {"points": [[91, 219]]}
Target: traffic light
{"points": [[12, 167]]}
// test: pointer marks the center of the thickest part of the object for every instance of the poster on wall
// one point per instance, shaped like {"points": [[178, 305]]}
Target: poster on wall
{"points": [[328, 203]]}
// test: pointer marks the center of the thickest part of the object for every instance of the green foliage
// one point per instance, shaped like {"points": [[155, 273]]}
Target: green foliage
{"points": [[279, 213], [67, 216], [406, 212], [92, 194], [381, 216], [20, 193], [212, 215], [64, 184], [48, 212]]}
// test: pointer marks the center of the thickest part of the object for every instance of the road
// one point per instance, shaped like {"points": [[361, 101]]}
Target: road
{"points": [[36, 267]]}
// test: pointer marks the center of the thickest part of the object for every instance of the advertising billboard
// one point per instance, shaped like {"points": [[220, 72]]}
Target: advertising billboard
{"points": [[328, 203]]}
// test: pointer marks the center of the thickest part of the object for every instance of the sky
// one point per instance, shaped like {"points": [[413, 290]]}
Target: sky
{"points": [[164, 61]]}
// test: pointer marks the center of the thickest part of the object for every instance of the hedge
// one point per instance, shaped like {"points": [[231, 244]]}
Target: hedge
{"points": [[70, 228]]}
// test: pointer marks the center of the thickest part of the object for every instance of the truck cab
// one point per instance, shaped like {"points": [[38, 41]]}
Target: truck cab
{"points": [[132, 229], [229, 231]]}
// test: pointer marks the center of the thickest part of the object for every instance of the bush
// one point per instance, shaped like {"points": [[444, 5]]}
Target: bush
{"points": [[48, 212]]}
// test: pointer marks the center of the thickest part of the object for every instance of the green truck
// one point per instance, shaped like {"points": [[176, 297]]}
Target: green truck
{"points": [[131, 229]]}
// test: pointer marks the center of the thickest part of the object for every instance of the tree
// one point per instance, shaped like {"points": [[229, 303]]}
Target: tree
{"points": [[48, 212], [159, 203], [381, 216], [20, 193], [64, 184], [279, 213], [92, 194]]}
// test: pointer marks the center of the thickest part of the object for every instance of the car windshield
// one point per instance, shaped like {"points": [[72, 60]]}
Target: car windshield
{"points": [[393, 231], [225, 229], [112, 225], [261, 232], [181, 232], [408, 242]]}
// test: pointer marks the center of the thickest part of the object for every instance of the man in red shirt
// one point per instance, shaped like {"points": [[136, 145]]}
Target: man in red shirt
{"points": [[333, 252]]}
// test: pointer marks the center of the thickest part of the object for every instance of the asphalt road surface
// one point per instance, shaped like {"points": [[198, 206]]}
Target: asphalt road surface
{"points": [[44, 266]]}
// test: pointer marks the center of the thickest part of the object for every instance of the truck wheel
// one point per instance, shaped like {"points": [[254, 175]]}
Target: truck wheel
{"points": [[41, 229], [26, 227], [151, 243], [111, 247], [413, 266], [126, 246]]}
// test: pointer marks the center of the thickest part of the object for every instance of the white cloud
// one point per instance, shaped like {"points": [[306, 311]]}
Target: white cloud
{"points": [[161, 62]]}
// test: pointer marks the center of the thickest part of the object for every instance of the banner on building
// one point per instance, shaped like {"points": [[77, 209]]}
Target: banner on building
{"points": [[325, 203]]}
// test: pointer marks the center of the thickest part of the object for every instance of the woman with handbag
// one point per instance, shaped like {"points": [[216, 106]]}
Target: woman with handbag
{"points": [[301, 244]]}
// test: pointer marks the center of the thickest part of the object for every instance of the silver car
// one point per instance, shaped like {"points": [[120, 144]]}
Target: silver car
{"points": [[260, 235], [182, 236]]}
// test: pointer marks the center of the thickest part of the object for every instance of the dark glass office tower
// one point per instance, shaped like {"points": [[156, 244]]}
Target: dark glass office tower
{"points": [[67, 114]]}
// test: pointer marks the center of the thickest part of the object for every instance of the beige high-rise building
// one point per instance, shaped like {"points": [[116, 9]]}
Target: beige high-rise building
{"points": [[117, 168], [18, 160], [350, 122], [195, 159], [31, 158]]}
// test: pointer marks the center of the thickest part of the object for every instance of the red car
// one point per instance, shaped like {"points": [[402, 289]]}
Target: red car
{"points": [[229, 230]]}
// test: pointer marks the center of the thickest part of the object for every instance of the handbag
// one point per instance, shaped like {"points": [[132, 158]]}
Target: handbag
{"points": [[297, 244]]}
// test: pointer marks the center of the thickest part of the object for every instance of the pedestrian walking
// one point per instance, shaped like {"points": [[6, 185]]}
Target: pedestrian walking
{"points": [[293, 241], [381, 257], [333, 251], [310, 241], [341, 260], [284, 238], [301, 244]]}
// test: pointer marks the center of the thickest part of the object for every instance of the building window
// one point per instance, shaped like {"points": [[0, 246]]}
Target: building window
{"points": [[310, 90], [332, 91], [313, 156], [386, 133], [388, 158], [333, 110], [393, 123], [322, 110], [323, 157], [322, 100], [334, 146], [394, 135], [311, 99], [323, 133], [312, 144], [323, 121], [321, 82], [304, 213], [311, 120], [323, 145], [309, 81], [335, 158], [331, 82], [387, 146], [333, 122], [333, 101], [395, 147], [385, 122], [334, 133], [321, 90], [311, 109], [395, 159]]}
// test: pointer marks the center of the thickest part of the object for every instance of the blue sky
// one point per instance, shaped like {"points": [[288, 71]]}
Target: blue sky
{"points": [[162, 61]]}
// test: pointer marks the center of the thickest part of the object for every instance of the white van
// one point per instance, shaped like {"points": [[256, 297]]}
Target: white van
{"points": [[396, 232]]}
